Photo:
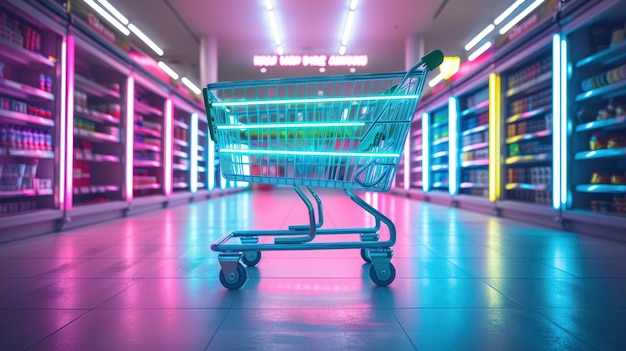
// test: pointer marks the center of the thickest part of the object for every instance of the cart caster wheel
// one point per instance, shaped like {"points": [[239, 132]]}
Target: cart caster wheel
{"points": [[234, 282], [387, 279], [365, 255], [251, 258]]}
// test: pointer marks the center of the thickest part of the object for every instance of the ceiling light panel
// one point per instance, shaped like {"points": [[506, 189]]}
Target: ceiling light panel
{"points": [[145, 39]]}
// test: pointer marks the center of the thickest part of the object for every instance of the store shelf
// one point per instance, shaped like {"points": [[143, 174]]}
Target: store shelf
{"points": [[28, 153], [95, 189], [479, 108], [440, 185], [96, 157], [441, 140], [94, 89], [147, 186], [146, 109], [605, 92], [201, 185], [601, 188], [95, 136], [468, 185], [180, 167], [416, 169], [180, 124], [178, 153], [529, 136], [147, 131], [440, 154], [202, 134], [614, 53], [603, 153], [146, 163], [23, 117], [530, 114], [201, 169], [18, 55], [180, 185], [416, 132], [475, 163], [200, 148], [613, 123], [528, 159], [417, 183], [475, 130], [439, 124], [18, 193], [475, 147], [23, 91], [439, 168], [536, 83], [146, 147], [95, 116], [523, 186], [180, 142]]}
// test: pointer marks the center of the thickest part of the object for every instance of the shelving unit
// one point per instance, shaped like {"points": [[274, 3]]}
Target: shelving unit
{"points": [[30, 114], [99, 84], [149, 140], [596, 108], [181, 153], [439, 138], [415, 157], [203, 154], [474, 142], [527, 130]]}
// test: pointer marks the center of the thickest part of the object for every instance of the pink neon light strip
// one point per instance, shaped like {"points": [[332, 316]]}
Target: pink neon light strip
{"points": [[168, 130], [69, 131], [130, 137]]}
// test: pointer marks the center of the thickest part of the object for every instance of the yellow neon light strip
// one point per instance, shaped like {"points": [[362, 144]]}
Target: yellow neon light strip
{"points": [[494, 137]]}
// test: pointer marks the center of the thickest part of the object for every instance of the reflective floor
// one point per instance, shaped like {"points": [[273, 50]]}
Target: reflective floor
{"points": [[465, 281]]}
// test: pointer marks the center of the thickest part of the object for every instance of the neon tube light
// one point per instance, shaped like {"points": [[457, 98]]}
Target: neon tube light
{"points": [[294, 125], [564, 123], [453, 147], [556, 133], [308, 153], [425, 152], [211, 163], [189, 84], [480, 36], [64, 168], [494, 137], [145, 39], [479, 51], [507, 12], [520, 16], [167, 69], [114, 11], [193, 148], [168, 132], [69, 141], [303, 101], [108, 17], [130, 137], [346, 32], [407, 162]]}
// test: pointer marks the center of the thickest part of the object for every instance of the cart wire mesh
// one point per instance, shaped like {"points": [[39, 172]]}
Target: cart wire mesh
{"points": [[344, 132]]}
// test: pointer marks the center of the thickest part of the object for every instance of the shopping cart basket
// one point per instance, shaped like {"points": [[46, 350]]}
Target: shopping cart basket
{"points": [[343, 132]]}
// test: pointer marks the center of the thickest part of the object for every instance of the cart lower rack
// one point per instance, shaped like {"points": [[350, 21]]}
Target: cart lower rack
{"points": [[341, 132]]}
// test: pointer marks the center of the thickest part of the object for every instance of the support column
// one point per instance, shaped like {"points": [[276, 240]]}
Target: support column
{"points": [[413, 50], [208, 60]]}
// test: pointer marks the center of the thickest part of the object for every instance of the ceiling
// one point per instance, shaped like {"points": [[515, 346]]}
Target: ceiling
{"points": [[242, 30]]}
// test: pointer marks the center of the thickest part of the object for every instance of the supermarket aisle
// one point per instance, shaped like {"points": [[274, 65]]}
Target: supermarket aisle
{"points": [[464, 281]]}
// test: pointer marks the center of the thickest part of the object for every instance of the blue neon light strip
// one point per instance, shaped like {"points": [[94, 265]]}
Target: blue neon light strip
{"points": [[556, 118], [308, 153], [563, 122], [425, 152], [325, 99], [293, 125]]}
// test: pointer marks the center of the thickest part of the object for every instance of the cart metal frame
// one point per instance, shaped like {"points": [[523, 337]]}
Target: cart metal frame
{"points": [[312, 158]]}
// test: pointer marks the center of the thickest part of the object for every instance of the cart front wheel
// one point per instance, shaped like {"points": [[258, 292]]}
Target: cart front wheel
{"points": [[389, 276], [365, 255], [234, 281], [251, 258]]}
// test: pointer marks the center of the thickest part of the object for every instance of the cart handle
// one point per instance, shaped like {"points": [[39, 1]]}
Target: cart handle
{"points": [[207, 106]]}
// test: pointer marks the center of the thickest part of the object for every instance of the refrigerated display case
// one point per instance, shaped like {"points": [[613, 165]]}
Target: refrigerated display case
{"points": [[415, 154], [181, 152], [32, 117], [99, 83], [150, 139], [594, 183], [527, 129], [438, 146], [203, 153]]}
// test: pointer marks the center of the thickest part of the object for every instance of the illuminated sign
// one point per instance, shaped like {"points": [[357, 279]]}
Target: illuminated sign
{"points": [[310, 60]]}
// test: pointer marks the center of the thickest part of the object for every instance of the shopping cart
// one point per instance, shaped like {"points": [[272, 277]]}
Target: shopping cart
{"points": [[342, 132]]}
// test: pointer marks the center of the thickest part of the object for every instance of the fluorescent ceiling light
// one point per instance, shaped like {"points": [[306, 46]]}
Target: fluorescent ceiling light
{"points": [[353, 4], [438, 78], [507, 12], [274, 25], [342, 50], [191, 86], [279, 50], [480, 36], [167, 70], [146, 40], [107, 17], [346, 30], [520, 16], [114, 11], [268, 5], [479, 51]]}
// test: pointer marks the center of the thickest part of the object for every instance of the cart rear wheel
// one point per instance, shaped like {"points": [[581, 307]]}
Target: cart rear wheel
{"points": [[365, 255], [251, 258], [234, 281], [389, 276]]}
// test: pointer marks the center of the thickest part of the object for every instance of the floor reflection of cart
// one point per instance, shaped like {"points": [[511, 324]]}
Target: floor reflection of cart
{"points": [[340, 132]]}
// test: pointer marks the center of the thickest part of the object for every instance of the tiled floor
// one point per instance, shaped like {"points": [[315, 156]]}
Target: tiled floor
{"points": [[464, 281]]}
